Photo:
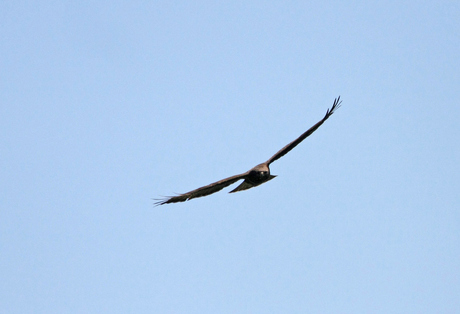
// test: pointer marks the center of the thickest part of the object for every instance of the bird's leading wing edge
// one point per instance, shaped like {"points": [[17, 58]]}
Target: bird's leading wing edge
{"points": [[283, 151]]}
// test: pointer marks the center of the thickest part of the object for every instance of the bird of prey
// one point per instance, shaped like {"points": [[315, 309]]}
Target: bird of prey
{"points": [[253, 177]]}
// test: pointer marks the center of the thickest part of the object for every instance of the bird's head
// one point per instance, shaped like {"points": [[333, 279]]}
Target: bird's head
{"points": [[262, 168]]}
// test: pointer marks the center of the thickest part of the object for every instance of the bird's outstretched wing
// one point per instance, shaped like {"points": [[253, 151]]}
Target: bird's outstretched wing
{"points": [[283, 151], [203, 191]]}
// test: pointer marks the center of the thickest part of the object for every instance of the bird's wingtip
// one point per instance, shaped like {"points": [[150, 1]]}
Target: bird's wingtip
{"points": [[336, 105], [162, 200], [159, 201]]}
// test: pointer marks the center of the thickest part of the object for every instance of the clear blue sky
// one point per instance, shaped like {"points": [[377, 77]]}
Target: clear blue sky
{"points": [[108, 104]]}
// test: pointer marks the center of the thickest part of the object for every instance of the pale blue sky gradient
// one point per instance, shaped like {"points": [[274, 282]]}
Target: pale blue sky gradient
{"points": [[108, 104]]}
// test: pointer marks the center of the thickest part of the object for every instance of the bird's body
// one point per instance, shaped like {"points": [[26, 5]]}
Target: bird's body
{"points": [[259, 174], [255, 176]]}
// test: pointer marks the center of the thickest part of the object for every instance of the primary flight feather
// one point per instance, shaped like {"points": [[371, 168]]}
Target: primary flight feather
{"points": [[253, 177]]}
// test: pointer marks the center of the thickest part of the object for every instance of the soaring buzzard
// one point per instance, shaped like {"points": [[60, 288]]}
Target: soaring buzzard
{"points": [[254, 177]]}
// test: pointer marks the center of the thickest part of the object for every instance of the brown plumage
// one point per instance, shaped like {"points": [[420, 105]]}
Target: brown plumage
{"points": [[255, 176]]}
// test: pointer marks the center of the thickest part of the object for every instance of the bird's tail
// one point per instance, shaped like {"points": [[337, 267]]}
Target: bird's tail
{"points": [[245, 185]]}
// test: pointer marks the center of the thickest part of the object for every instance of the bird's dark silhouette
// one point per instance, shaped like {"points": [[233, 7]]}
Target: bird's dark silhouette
{"points": [[255, 176]]}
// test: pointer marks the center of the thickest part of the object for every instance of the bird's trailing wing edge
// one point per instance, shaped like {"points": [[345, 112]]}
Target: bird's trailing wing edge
{"points": [[202, 191]]}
